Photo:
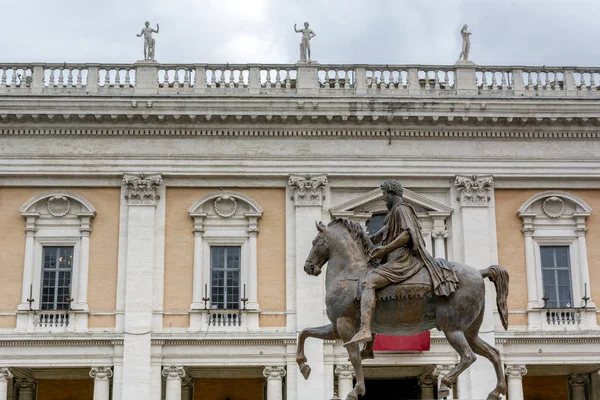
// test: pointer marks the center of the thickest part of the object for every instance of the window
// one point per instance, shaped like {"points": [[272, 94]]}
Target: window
{"points": [[57, 270], [556, 276], [225, 277]]}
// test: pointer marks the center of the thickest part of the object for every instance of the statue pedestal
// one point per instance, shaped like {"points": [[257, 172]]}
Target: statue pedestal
{"points": [[466, 81], [146, 76]]}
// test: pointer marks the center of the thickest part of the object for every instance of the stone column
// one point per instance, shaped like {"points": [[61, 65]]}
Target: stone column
{"points": [[426, 383], [174, 376], [345, 377], [101, 377], [578, 384], [141, 194], [28, 267], [187, 388], [274, 377], [439, 372], [439, 236], [5, 377], [308, 195], [26, 388], [515, 374], [479, 247]]}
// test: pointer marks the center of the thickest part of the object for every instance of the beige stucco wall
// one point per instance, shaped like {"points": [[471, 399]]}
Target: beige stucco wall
{"points": [[102, 284], [511, 244], [179, 253]]}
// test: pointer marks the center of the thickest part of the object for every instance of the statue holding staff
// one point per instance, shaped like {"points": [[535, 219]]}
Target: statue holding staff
{"points": [[307, 34], [149, 41], [466, 43]]}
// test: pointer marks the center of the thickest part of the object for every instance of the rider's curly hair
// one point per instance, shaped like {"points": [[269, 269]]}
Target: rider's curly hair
{"points": [[392, 187]]}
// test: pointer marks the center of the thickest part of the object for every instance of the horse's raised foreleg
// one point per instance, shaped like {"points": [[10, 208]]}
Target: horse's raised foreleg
{"points": [[459, 342], [325, 332], [346, 328]]}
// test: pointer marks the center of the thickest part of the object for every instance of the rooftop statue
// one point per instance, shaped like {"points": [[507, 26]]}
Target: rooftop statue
{"points": [[397, 288], [307, 34], [466, 43], [149, 41]]}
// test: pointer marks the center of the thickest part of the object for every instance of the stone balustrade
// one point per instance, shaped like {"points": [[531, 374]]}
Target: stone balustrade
{"points": [[316, 79]]}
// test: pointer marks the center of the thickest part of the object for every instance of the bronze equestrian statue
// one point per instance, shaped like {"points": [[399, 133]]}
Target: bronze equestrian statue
{"points": [[407, 293]]}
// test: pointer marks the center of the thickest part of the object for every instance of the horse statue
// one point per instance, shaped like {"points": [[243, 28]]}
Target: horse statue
{"points": [[345, 245]]}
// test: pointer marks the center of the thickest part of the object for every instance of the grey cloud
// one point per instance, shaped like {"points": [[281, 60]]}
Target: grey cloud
{"points": [[532, 32]]}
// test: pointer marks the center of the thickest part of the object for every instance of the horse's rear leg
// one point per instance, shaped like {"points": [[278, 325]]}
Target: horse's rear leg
{"points": [[459, 342], [325, 332], [346, 328], [483, 348]]}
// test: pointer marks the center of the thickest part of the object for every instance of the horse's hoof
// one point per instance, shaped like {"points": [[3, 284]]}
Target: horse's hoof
{"points": [[493, 396], [351, 397], [443, 392], [305, 371]]}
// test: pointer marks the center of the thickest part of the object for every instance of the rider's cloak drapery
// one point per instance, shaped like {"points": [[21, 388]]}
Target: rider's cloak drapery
{"points": [[404, 218]]}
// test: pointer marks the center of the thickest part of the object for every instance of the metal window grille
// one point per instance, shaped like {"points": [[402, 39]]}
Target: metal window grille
{"points": [[556, 276], [225, 277], [57, 270]]}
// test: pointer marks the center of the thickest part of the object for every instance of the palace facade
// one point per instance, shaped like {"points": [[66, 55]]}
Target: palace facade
{"points": [[155, 220]]}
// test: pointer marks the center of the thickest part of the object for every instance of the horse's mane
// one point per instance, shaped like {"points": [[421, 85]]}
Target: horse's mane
{"points": [[357, 232]]}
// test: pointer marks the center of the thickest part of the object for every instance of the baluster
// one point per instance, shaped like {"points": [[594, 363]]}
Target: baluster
{"points": [[556, 80], [60, 77], [529, 80], [268, 82], [186, 77], [106, 77], [166, 78], [277, 79], [79, 78], [494, 81], [211, 78], [69, 77], [231, 80], [13, 77], [547, 80], [446, 80], [592, 81], [503, 81], [436, 80], [336, 79], [127, 78], [3, 80], [288, 79], [484, 83], [222, 80], [539, 81]]}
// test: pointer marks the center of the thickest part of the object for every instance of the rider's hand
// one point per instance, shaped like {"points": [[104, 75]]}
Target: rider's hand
{"points": [[377, 252]]}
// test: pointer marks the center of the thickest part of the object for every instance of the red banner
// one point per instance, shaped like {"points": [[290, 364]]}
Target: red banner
{"points": [[418, 342]]}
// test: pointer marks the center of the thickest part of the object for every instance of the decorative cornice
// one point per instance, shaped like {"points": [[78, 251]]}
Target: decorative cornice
{"points": [[515, 371], [274, 373], [474, 189], [223, 342], [60, 343], [173, 372], [142, 189], [308, 189], [101, 373], [425, 132]]}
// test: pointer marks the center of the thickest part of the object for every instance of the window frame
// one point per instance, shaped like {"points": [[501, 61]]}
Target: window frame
{"points": [[225, 269], [56, 279], [572, 276]]}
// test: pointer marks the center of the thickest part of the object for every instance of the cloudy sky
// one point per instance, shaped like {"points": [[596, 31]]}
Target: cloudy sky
{"points": [[527, 32]]}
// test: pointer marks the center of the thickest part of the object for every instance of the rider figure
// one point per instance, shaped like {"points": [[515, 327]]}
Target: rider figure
{"points": [[403, 254]]}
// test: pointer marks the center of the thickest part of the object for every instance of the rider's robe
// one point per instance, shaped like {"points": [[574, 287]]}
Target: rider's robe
{"points": [[407, 260]]}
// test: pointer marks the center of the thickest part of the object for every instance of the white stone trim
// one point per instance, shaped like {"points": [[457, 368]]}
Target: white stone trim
{"points": [[213, 228], [566, 228], [45, 228]]}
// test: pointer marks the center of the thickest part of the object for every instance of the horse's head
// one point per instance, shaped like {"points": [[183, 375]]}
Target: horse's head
{"points": [[319, 253]]}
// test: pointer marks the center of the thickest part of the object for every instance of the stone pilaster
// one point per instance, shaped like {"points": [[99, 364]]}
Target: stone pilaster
{"points": [[5, 377], [308, 193], [578, 383], [101, 376], [478, 221], [274, 376], [142, 195], [174, 376], [345, 376], [515, 374], [439, 372], [25, 388], [426, 383]]}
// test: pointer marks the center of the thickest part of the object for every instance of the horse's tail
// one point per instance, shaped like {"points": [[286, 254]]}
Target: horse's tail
{"points": [[499, 276]]}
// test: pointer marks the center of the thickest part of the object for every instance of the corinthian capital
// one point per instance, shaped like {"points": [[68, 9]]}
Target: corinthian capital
{"points": [[344, 371], [142, 189], [5, 374], [578, 379], [474, 190], [308, 189]]}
